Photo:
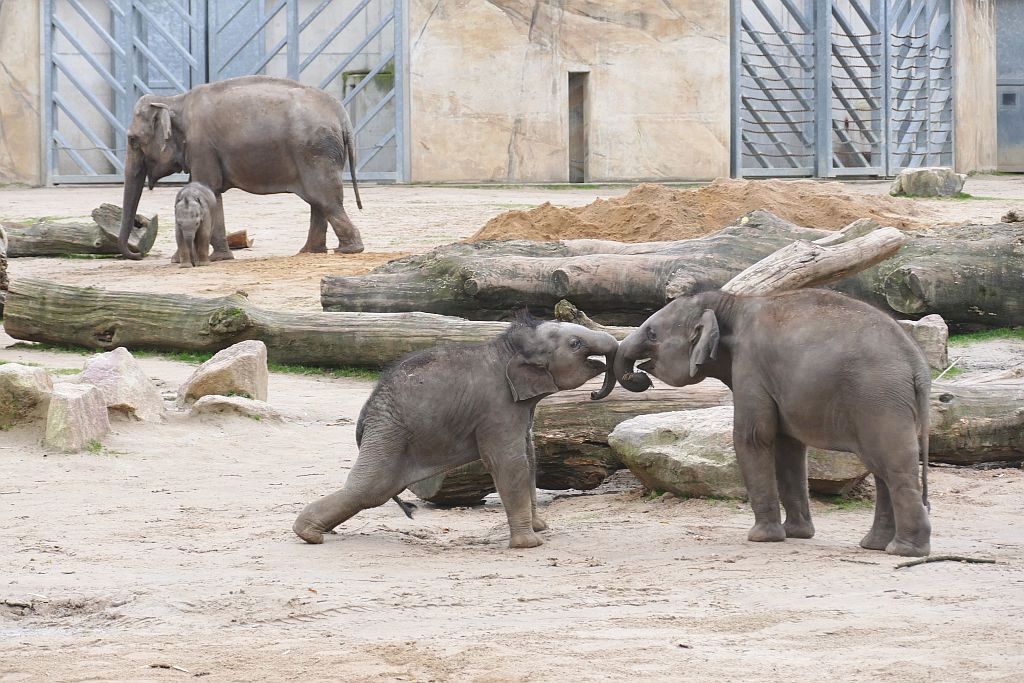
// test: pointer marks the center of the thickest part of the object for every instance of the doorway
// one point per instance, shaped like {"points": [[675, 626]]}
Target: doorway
{"points": [[578, 124]]}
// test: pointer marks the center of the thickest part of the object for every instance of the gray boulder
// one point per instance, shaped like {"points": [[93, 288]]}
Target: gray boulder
{"points": [[126, 388], [932, 334], [76, 417], [239, 370], [238, 405], [935, 181], [24, 393], [690, 453]]}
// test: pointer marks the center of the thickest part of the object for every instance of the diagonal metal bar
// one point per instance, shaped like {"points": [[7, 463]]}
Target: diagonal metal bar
{"points": [[869, 59], [115, 7], [142, 86], [94, 25], [69, 35], [238, 10], [242, 44], [63, 144], [786, 116], [155, 61], [315, 52], [363, 122], [271, 53], [369, 77], [158, 25], [314, 14], [777, 27], [771, 135], [182, 11], [798, 16], [87, 93], [356, 51], [101, 146], [378, 146], [865, 16]]}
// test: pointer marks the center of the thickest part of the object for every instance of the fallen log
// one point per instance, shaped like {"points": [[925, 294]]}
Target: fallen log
{"points": [[970, 276], [239, 239], [3, 269], [91, 318], [972, 423], [56, 237]]}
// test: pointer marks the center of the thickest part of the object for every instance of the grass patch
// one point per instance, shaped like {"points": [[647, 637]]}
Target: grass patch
{"points": [[966, 197], [986, 335], [88, 256], [844, 503], [951, 372], [63, 371], [337, 373], [94, 447]]}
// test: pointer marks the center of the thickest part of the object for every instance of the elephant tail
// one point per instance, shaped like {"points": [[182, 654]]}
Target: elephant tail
{"points": [[922, 388], [351, 147]]}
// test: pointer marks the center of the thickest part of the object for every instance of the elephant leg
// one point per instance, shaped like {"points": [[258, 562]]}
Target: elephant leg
{"points": [[181, 253], [509, 464], [349, 239], [891, 453], [316, 239], [883, 528], [202, 246], [754, 434], [791, 477], [538, 522], [218, 236], [375, 478]]}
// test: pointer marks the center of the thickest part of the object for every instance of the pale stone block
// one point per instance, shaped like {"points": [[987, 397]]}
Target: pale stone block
{"points": [[77, 417], [239, 370]]}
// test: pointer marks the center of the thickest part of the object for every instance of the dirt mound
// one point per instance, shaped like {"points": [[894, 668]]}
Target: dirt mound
{"points": [[655, 212]]}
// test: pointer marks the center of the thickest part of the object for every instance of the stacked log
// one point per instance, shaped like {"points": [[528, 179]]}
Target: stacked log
{"points": [[54, 237]]}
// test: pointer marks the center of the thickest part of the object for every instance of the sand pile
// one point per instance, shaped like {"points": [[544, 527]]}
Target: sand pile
{"points": [[655, 212]]}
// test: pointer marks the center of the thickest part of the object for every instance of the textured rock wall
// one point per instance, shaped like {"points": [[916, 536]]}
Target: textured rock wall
{"points": [[19, 92], [489, 88]]}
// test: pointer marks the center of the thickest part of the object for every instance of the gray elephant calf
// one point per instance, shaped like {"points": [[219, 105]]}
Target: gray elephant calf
{"points": [[193, 224], [448, 406], [806, 368]]}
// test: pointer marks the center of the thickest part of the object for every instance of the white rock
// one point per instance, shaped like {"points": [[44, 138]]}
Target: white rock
{"points": [[24, 393], [934, 181], [219, 405], [690, 453], [239, 370], [932, 334], [77, 416], [126, 388]]}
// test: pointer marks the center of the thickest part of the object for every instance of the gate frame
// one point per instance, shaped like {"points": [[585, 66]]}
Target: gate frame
{"points": [[823, 166], [124, 52]]}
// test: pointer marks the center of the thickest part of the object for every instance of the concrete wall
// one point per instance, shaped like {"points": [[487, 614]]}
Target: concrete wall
{"points": [[489, 88], [19, 92], [974, 69]]}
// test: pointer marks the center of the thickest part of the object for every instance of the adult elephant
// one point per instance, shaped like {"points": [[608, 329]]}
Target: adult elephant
{"points": [[260, 134]]}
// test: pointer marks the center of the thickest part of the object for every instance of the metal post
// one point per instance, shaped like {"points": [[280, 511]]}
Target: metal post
{"points": [[293, 39], [886, 110], [736, 75], [823, 88], [49, 82], [401, 85]]}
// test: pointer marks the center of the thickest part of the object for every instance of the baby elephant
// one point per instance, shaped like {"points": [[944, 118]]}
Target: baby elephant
{"points": [[807, 368], [193, 224], [448, 406]]}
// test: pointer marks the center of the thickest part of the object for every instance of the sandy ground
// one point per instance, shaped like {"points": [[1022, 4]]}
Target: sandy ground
{"points": [[172, 545]]}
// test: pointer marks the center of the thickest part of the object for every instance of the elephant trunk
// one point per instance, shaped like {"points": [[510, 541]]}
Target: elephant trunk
{"points": [[609, 378], [604, 343], [627, 356], [134, 179]]}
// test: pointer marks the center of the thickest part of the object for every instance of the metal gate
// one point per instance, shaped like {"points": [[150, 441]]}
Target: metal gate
{"points": [[841, 87], [102, 55]]}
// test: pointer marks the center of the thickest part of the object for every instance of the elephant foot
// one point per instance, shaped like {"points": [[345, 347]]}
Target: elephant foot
{"points": [[175, 259], [356, 248], [539, 524], [308, 530], [877, 540], [186, 264], [802, 529], [767, 532], [222, 256], [204, 263], [524, 540], [318, 249], [908, 549]]}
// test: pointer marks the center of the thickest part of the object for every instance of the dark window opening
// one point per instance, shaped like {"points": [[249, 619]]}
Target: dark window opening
{"points": [[578, 151], [1009, 99]]}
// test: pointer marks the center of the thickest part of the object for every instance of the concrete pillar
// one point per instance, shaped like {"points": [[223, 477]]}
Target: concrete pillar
{"points": [[20, 92], [974, 90]]}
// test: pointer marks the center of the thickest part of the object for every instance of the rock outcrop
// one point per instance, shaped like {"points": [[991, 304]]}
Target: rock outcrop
{"points": [[77, 416], [126, 389], [239, 370]]}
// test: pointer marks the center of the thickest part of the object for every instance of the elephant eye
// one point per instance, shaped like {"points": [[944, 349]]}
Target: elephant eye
{"points": [[133, 141], [575, 343], [651, 336]]}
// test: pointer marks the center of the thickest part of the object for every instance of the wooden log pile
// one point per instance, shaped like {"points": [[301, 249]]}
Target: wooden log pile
{"points": [[971, 276], [54, 237]]}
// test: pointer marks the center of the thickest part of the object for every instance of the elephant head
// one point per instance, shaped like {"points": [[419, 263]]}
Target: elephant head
{"points": [[156, 149], [679, 342], [553, 356]]}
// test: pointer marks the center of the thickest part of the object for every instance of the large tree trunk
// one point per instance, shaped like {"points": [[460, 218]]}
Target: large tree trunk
{"points": [[49, 237], [972, 276], [976, 422], [3, 269], [42, 311]]}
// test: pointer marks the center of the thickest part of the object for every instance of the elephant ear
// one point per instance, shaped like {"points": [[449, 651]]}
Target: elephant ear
{"points": [[527, 380], [706, 347], [161, 123]]}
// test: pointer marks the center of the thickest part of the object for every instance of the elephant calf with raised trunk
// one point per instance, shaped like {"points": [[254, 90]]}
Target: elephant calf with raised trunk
{"points": [[260, 134], [448, 406], [807, 368]]}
